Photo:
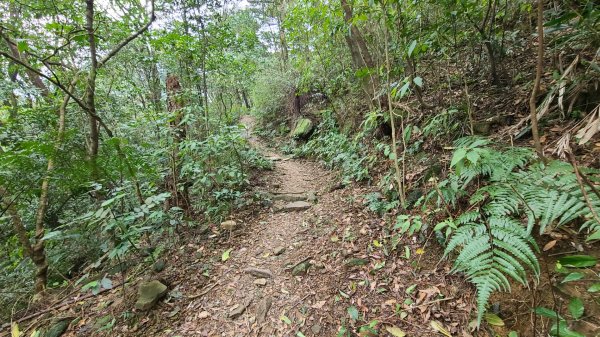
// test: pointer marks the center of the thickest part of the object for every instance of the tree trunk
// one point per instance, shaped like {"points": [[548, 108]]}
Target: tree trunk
{"points": [[538, 79], [245, 98], [175, 106], [204, 84], [90, 91], [361, 57]]}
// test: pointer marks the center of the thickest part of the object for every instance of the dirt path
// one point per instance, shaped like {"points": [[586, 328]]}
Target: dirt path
{"points": [[242, 304], [329, 268]]}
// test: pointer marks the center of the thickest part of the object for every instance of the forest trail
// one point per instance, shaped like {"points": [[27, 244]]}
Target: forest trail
{"points": [[244, 303]]}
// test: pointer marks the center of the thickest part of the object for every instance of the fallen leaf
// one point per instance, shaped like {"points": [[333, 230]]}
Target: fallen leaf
{"points": [[493, 319], [437, 326], [318, 305], [549, 245], [225, 255], [285, 319]]}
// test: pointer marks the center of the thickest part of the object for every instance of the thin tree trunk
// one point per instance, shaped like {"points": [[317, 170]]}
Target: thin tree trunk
{"points": [[538, 79], [175, 106], [204, 85], [361, 56], [90, 92], [245, 98], [399, 173]]}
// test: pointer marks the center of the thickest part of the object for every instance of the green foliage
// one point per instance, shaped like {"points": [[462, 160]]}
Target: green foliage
{"points": [[338, 150], [271, 91], [491, 241], [219, 167]]}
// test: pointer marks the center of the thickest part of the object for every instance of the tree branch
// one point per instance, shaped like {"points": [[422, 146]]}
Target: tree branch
{"points": [[52, 80], [132, 37]]}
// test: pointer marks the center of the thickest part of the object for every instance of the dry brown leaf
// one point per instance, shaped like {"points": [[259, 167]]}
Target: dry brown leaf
{"points": [[549, 245], [318, 305]]}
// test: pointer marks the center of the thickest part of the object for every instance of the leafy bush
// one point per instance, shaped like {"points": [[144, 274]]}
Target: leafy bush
{"points": [[218, 168], [272, 86], [338, 150], [491, 240]]}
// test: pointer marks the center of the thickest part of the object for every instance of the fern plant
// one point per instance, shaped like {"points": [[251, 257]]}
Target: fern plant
{"points": [[493, 240]]}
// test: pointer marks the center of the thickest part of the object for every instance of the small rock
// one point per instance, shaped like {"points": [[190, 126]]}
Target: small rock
{"points": [[311, 197], [301, 269], [316, 328], [203, 315], [149, 293], [279, 250], [256, 272], [303, 128], [58, 328], [159, 265], [228, 225], [262, 309], [296, 206], [260, 282], [356, 262]]}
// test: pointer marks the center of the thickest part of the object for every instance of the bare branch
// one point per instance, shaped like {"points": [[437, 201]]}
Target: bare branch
{"points": [[132, 37]]}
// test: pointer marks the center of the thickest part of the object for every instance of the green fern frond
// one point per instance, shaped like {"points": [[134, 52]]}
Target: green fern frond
{"points": [[491, 252], [492, 242]]}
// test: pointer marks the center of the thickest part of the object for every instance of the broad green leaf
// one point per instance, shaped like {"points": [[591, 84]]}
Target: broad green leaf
{"points": [[576, 308], [411, 48], [353, 313], [300, 334], [418, 81], [411, 289], [573, 277], [459, 155], [395, 331], [225, 255], [404, 89], [513, 334], [594, 288], [561, 329], [22, 46], [106, 283], [545, 312], [493, 319], [578, 261]]}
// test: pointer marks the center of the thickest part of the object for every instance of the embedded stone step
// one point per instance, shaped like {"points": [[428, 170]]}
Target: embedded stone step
{"points": [[295, 206]]}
